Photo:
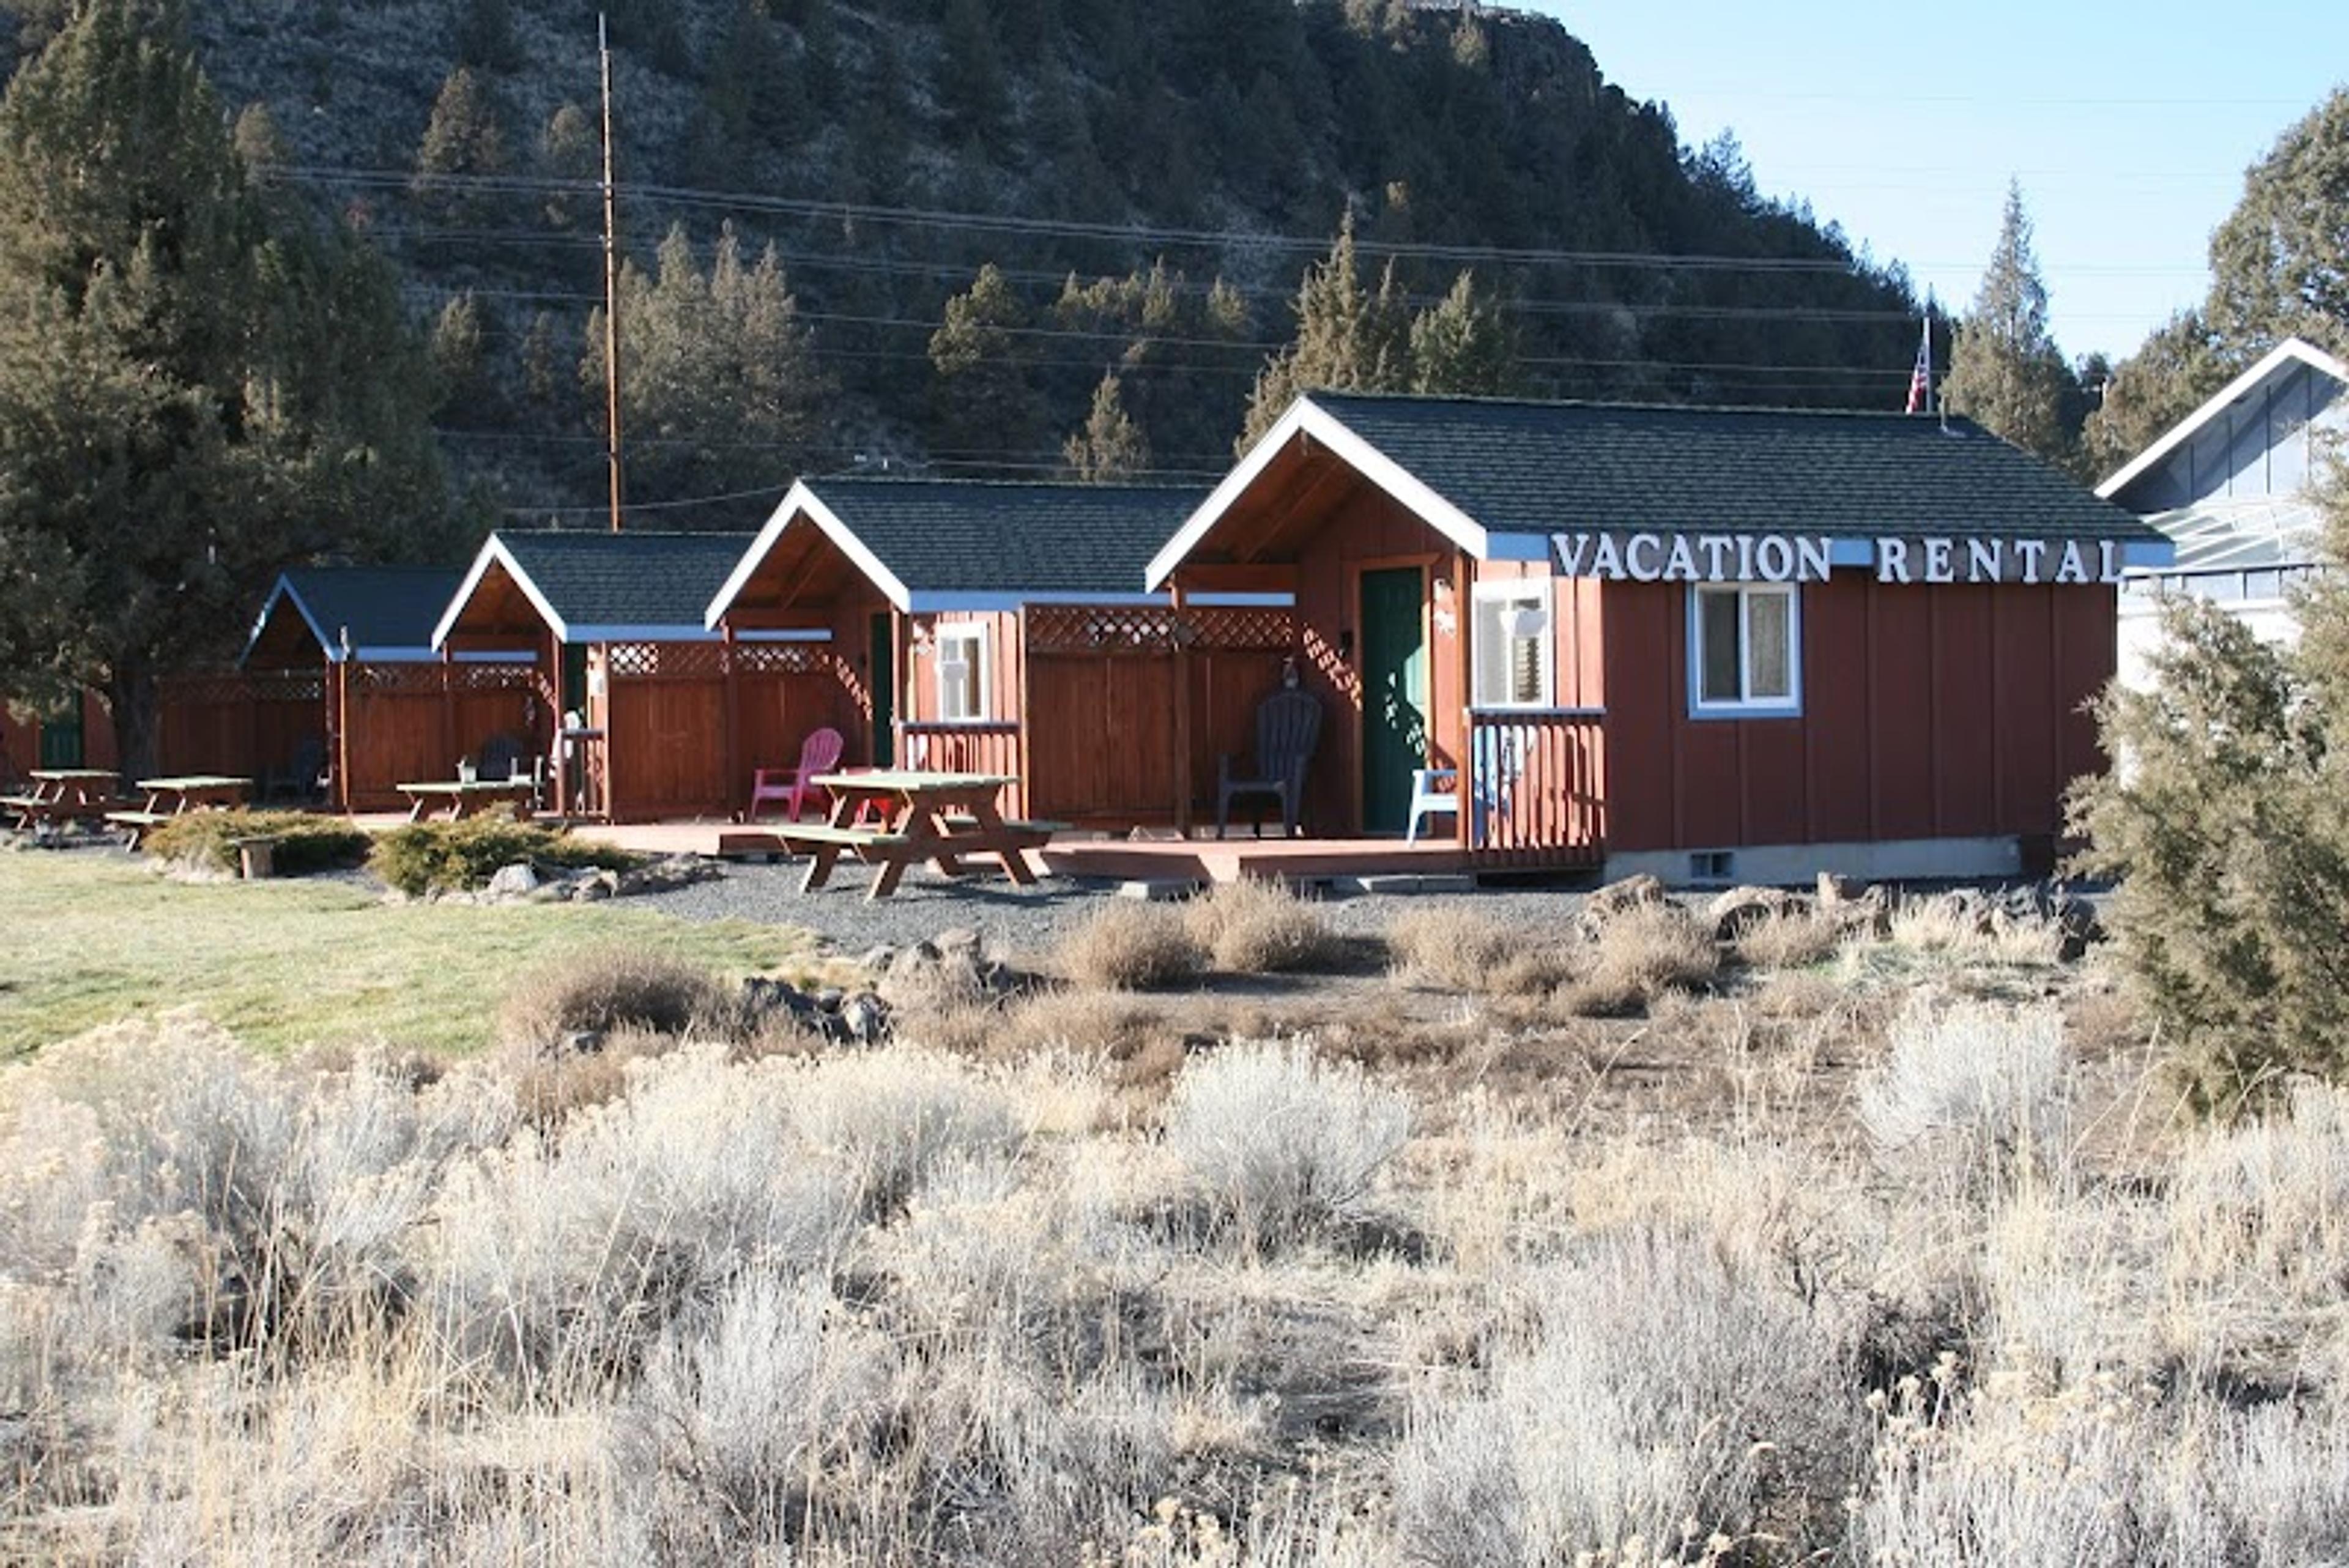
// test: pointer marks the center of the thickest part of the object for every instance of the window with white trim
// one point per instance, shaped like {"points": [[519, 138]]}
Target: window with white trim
{"points": [[1512, 644], [1745, 649], [962, 654]]}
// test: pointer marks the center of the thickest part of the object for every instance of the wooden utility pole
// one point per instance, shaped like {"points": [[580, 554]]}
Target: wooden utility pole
{"points": [[611, 282]]}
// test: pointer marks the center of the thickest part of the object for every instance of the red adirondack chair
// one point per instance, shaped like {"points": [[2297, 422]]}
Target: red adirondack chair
{"points": [[819, 754]]}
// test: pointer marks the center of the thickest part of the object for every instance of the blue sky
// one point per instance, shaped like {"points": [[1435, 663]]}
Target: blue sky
{"points": [[2129, 125]]}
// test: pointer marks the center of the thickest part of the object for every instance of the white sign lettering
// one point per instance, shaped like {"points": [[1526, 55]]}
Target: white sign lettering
{"points": [[1810, 557]]}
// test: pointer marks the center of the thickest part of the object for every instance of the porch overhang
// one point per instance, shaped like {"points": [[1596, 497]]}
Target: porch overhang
{"points": [[1307, 424]]}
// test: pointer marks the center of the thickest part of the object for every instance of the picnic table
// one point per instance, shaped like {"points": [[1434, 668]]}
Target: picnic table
{"points": [[936, 817], [170, 797], [462, 798], [62, 795]]}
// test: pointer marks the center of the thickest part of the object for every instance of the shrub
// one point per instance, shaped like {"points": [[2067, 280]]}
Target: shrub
{"points": [[306, 842], [893, 1117], [1784, 940], [1280, 1143], [1462, 949], [1972, 1092], [1130, 946], [1660, 1394], [608, 989], [1642, 953], [2223, 826], [450, 856], [1252, 927]]}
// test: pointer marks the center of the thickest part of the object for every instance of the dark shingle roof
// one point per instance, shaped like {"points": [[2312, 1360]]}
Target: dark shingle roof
{"points": [[380, 607], [626, 579], [969, 536], [1522, 467]]}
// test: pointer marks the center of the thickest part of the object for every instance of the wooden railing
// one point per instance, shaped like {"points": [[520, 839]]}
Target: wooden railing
{"points": [[1538, 782], [964, 748]]}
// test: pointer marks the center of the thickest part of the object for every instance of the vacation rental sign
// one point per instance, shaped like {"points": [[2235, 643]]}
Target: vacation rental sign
{"points": [[1808, 558]]}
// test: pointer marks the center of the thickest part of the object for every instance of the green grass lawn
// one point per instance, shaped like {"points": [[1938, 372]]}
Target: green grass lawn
{"points": [[86, 939]]}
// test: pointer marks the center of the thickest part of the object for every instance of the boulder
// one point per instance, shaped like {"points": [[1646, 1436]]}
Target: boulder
{"points": [[1740, 909], [865, 1019], [518, 881], [955, 939], [1640, 892], [877, 958]]}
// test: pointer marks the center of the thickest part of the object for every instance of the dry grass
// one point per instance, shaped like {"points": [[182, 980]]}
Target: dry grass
{"points": [[1127, 945], [1790, 941], [1454, 946], [606, 988], [1252, 927]]}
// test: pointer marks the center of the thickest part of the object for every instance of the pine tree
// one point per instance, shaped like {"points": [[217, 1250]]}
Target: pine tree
{"points": [[570, 149], [720, 390], [986, 408], [485, 36], [456, 349], [194, 392], [1463, 344], [2279, 264], [1110, 447], [462, 140], [2005, 372], [1349, 339]]}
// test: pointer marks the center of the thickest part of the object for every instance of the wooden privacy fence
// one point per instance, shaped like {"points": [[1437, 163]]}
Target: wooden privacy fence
{"points": [[1127, 707], [686, 724], [398, 723], [247, 724], [1539, 775]]}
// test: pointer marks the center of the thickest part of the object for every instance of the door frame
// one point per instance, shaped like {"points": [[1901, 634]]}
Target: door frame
{"points": [[882, 672], [1426, 563]]}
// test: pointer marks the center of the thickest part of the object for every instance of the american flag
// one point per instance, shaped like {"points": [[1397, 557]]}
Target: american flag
{"points": [[1921, 379]]}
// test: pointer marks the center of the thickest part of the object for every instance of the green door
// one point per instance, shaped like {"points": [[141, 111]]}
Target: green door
{"points": [[61, 740], [1395, 695], [884, 692]]}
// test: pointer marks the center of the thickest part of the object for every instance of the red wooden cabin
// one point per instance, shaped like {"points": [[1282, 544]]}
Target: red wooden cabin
{"points": [[1004, 628], [1706, 643], [610, 627], [338, 681]]}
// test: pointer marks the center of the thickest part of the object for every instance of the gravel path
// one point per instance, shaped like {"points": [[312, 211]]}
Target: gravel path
{"points": [[1013, 921]]}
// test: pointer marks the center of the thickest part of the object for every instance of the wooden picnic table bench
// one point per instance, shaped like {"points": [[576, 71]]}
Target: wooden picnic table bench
{"points": [[63, 794], [936, 817], [177, 795], [463, 797]]}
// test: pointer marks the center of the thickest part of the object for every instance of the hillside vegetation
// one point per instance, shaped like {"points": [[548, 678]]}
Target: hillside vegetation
{"points": [[1150, 180]]}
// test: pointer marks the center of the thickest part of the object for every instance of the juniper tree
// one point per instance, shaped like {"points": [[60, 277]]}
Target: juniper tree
{"points": [[2223, 822], [1110, 446], [197, 390], [2005, 372]]}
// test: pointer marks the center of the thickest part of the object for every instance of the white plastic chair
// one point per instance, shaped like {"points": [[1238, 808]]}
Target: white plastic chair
{"points": [[1434, 791]]}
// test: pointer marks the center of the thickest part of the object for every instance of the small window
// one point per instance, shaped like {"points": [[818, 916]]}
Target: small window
{"points": [[962, 673], [1746, 653], [1512, 644]]}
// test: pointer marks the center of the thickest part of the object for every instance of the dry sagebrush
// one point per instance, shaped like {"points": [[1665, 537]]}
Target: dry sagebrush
{"points": [[898, 1308]]}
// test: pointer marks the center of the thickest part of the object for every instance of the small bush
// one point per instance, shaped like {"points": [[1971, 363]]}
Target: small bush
{"points": [[306, 842], [611, 989], [453, 857], [1639, 955], [1455, 947], [1281, 1144], [1973, 1092], [1252, 927], [1130, 946], [1786, 940]]}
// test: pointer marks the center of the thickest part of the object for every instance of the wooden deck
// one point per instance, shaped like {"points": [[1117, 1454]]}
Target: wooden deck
{"points": [[1271, 859]]}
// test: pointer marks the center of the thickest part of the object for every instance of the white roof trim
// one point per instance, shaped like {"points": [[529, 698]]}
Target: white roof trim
{"points": [[2290, 350], [803, 502], [284, 589], [1307, 418], [493, 553]]}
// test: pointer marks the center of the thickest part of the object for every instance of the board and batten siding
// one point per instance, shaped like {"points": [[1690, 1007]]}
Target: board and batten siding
{"points": [[1951, 711]]}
